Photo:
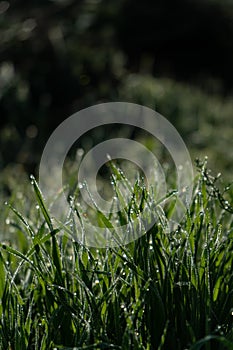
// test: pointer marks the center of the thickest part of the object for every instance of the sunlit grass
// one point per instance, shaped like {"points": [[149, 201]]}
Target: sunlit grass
{"points": [[162, 291]]}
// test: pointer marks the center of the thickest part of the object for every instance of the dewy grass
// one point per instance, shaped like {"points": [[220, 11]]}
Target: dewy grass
{"points": [[162, 291]]}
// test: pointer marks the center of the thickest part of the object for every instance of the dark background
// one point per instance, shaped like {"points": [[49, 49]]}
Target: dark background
{"points": [[57, 57]]}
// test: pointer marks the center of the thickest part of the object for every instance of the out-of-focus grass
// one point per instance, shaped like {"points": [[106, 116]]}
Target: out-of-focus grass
{"points": [[204, 121]]}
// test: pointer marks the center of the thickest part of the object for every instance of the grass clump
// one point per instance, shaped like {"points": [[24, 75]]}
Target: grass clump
{"points": [[162, 291]]}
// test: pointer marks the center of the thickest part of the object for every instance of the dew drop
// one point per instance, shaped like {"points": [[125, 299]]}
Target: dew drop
{"points": [[80, 152]]}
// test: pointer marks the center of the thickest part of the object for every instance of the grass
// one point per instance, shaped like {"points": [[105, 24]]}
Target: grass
{"points": [[163, 291], [203, 119]]}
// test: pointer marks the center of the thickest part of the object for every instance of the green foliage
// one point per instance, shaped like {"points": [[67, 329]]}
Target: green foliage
{"points": [[204, 120], [163, 291]]}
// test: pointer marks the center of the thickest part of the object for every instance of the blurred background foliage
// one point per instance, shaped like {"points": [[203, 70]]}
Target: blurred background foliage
{"points": [[59, 56]]}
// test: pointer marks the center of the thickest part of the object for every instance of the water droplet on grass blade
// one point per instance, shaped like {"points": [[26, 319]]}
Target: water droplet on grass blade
{"points": [[80, 152]]}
